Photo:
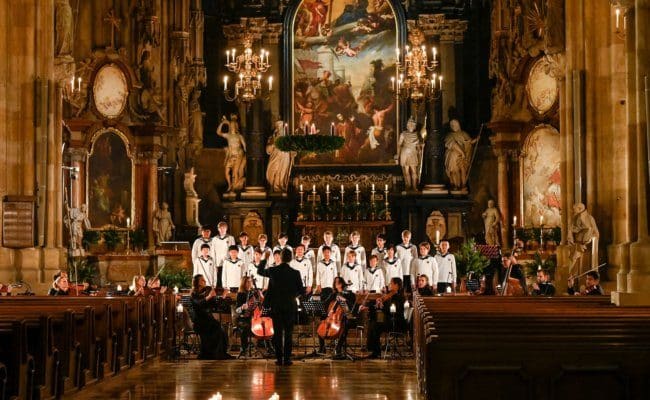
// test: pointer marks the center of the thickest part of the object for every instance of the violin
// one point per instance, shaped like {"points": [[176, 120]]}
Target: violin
{"points": [[261, 326], [330, 327]]}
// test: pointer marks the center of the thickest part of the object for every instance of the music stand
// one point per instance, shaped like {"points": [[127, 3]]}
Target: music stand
{"points": [[313, 308]]}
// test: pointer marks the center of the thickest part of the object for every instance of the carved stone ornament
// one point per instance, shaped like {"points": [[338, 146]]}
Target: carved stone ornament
{"points": [[110, 91], [436, 222], [542, 89], [347, 180], [253, 225]]}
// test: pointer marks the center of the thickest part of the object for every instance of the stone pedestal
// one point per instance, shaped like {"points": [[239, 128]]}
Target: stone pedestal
{"points": [[118, 268], [192, 211]]}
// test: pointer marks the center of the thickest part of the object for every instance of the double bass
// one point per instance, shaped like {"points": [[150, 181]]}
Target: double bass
{"points": [[511, 286], [261, 326]]}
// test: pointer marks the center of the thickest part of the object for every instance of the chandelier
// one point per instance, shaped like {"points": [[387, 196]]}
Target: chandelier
{"points": [[417, 78], [248, 68]]}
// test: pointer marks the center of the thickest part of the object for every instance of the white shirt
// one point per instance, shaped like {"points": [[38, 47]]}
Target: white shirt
{"points": [[196, 247], [352, 274], [206, 268], [325, 273], [360, 252], [286, 246], [246, 253], [311, 256], [405, 254], [303, 266], [381, 256], [251, 270], [393, 269], [446, 268], [335, 254], [426, 265], [219, 248], [375, 279], [232, 272]]}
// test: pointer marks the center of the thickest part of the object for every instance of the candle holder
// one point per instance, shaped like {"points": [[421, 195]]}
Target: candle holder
{"points": [[541, 238], [313, 204], [342, 213], [373, 209], [386, 204], [327, 204], [301, 210], [514, 236], [357, 208]]}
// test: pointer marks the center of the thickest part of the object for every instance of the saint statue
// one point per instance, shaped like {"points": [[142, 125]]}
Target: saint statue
{"points": [[62, 29], [235, 164], [458, 153], [582, 231], [280, 162], [78, 222], [491, 221], [188, 183], [163, 224], [196, 118], [409, 150]]}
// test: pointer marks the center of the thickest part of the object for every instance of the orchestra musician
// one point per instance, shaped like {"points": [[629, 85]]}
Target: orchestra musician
{"points": [[61, 286], [214, 342], [347, 301], [423, 286], [507, 260], [137, 287], [53, 290], [381, 319], [592, 285], [247, 298], [285, 285], [543, 286], [5, 290]]}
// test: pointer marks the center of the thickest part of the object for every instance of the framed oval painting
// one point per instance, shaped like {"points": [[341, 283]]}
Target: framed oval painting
{"points": [[110, 91]]}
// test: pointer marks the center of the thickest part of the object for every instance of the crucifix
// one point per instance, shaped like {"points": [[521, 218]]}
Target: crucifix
{"points": [[114, 24]]}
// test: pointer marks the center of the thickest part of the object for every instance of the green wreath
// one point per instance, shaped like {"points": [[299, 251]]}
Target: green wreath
{"points": [[309, 143]]}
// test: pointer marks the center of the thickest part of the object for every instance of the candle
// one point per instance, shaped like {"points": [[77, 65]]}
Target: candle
{"points": [[286, 129], [227, 56], [313, 129], [433, 80], [392, 82], [79, 83], [72, 84], [407, 304], [297, 301], [179, 308], [327, 188], [119, 288], [313, 188], [357, 188], [435, 53], [332, 129], [386, 188], [440, 80], [225, 83], [175, 289], [233, 55], [437, 236], [270, 83], [541, 220], [301, 187], [373, 187], [397, 53], [342, 190], [393, 309], [128, 222], [514, 220], [241, 79], [618, 16]]}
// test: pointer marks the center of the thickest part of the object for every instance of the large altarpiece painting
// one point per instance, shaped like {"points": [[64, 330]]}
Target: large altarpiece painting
{"points": [[109, 180], [343, 58]]}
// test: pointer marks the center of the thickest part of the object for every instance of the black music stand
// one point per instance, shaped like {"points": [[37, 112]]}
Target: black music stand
{"points": [[313, 308]]}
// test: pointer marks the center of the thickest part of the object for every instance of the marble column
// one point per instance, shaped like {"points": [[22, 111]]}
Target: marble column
{"points": [[434, 152], [255, 150]]}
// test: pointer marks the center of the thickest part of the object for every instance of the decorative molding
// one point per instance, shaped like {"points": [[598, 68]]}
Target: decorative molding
{"points": [[449, 30], [259, 28], [349, 181]]}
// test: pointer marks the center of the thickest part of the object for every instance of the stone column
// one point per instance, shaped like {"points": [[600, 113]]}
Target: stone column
{"points": [[255, 149], [152, 196], [78, 157], [434, 153], [505, 143]]}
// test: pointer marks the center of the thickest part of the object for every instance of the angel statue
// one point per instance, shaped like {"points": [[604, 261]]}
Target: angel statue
{"points": [[280, 162]]}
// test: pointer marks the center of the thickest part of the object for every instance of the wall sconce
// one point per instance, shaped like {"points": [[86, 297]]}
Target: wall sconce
{"points": [[620, 18]]}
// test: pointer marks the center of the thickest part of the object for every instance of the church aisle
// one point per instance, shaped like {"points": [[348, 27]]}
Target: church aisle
{"points": [[259, 379]]}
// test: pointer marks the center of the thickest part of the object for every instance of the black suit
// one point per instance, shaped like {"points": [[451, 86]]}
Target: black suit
{"points": [[285, 285]]}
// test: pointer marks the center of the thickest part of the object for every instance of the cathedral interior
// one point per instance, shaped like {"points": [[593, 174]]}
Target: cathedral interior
{"points": [[521, 127]]}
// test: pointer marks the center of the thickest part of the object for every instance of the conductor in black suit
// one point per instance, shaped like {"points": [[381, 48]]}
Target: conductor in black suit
{"points": [[284, 286]]}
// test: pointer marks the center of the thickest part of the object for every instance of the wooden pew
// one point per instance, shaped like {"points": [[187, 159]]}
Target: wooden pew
{"points": [[562, 347]]}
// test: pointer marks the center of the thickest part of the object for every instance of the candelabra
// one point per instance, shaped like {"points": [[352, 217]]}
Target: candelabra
{"points": [[620, 18], [301, 210], [342, 217], [412, 72], [249, 67], [388, 217], [327, 202], [313, 203], [373, 214]]}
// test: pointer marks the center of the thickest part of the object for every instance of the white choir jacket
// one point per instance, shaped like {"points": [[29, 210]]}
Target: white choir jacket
{"points": [[286, 246], [446, 268], [311, 256], [381, 256], [260, 281], [325, 273], [425, 266], [405, 254], [335, 255], [360, 252], [206, 268], [374, 279], [196, 248], [393, 269], [246, 253], [232, 272], [353, 276], [220, 246], [303, 266]]}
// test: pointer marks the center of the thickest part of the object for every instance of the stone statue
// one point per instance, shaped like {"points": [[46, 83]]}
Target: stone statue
{"points": [[582, 231], [63, 29], [458, 153], [78, 222], [409, 149], [188, 183], [280, 162], [235, 165], [491, 221], [196, 118], [163, 224], [181, 98], [149, 99]]}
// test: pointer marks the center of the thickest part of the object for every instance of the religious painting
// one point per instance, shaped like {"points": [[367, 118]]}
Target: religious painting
{"points": [[109, 185], [343, 59], [542, 88], [110, 91], [541, 177]]}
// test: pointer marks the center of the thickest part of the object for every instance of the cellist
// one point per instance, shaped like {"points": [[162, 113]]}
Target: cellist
{"points": [[339, 300], [391, 307]]}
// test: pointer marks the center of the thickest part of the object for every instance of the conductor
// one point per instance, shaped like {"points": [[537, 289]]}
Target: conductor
{"points": [[284, 286]]}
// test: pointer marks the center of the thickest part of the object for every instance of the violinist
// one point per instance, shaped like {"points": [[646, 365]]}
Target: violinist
{"points": [[543, 286], [423, 286], [390, 309], [61, 286], [247, 297], [592, 287], [137, 287], [5, 290], [214, 342], [346, 300], [153, 286], [53, 290]]}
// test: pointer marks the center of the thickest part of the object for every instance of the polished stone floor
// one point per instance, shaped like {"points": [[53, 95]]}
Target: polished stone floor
{"points": [[260, 379]]}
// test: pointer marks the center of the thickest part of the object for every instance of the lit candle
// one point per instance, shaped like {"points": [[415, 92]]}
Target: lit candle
{"points": [[440, 80], [72, 84], [357, 188], [179, 308], [128, 222], [393, 309], [241, 79], [79, 83], [541, 220], [618, 16], [233, 55], [332, 129], [225, 83], [286, 129], [435, 53], [514, 220], [313, 188], [262, 56], [386, 188], [327, 188], [433, 80], [227, 56], [392, 82], [437, 236], [373, 187], [342, 189], [119, 288], [397, 53], [270, 83], [313, 129], [301, 187], [175, 289]]}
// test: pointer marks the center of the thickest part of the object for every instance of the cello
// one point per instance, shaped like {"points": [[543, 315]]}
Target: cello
{"points": [[261, 326], [331, 327], [511, 286]]}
